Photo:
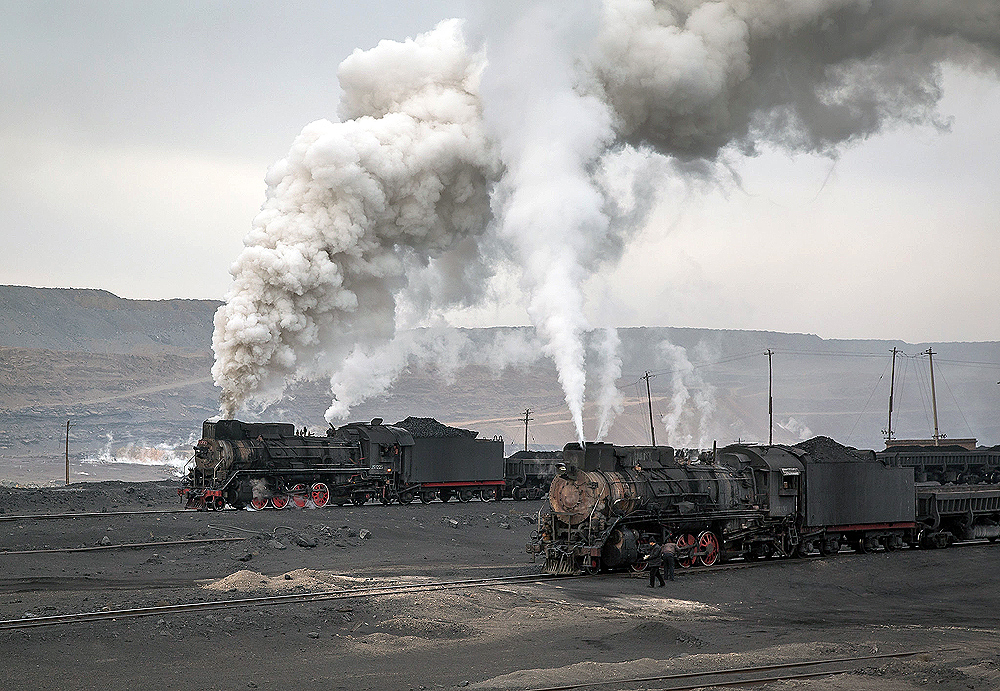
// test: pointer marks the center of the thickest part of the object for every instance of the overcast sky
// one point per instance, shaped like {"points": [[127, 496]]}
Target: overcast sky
{"points": [[134, 139]]}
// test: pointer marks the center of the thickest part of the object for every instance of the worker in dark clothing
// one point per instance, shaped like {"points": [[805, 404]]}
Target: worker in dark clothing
{"points": [[655, 558], [669, 554]]}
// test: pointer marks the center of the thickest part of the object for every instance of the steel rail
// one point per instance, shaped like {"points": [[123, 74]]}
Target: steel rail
{"points": [[91, 514], [739, 670], [295, 598], [124, 545]]}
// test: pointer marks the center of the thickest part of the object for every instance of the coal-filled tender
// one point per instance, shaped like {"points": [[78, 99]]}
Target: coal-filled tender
{"points": [[744, 500], [272, 465]]}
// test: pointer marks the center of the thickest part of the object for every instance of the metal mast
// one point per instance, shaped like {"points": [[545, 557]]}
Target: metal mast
{"points": [[937, 435], [892, 384], [649, 400]]}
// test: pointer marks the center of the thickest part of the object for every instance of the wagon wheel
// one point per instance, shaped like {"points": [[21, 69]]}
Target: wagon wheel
{"points": [[405, 497], [320, 494], [258, 504], [426, 497], [444, 495], [591, 566], [519, 493], [299, 497], [489, 493], [279, 501], [685, 546], [465, 495], [708, 547]]}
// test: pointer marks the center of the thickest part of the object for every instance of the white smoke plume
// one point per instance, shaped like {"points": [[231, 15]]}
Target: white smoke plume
{"points": [[689, 417], [796, 428], [368, 373], [400, 210], [610, 400], [351, 208]]}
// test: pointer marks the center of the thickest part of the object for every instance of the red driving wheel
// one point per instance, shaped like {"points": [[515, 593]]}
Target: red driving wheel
{"points": [[708, 548], [685, 550], [320, 494]]}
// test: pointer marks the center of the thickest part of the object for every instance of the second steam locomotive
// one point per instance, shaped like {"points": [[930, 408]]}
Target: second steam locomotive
{"points": [[747, 501], [272, 465]]}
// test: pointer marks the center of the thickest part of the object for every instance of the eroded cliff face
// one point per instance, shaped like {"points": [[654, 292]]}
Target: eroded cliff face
{"points": [[134, 377]]}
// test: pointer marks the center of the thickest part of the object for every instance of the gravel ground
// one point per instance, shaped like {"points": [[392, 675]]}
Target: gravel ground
{"points": [[611, 628]]}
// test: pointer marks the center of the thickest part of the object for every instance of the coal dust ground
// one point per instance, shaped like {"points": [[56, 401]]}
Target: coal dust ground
{"points": [[609, 628]]}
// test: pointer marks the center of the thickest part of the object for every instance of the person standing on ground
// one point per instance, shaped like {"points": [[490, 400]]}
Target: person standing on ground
{"points": [[669, 557], [655, 558]]}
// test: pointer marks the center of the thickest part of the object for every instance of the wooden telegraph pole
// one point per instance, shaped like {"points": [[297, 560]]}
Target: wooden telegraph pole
{"points": [[68, 423], [770, 401], [649, 400], [526, 420], [892, 386], [937, 434]]}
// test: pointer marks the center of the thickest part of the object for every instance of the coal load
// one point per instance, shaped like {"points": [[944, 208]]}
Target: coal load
{"points": [[826, 450], [429, 428]]}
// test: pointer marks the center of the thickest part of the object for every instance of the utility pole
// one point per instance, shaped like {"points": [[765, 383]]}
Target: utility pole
{"points": [[937, 435], [68, 423], [649, 399], [526, 420], [892, 386], [770, 401]]}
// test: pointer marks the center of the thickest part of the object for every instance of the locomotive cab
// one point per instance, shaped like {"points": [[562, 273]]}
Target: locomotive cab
{"points": [[777, 473]]}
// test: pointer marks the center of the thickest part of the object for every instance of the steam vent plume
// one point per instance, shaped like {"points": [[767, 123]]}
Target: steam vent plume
{"points": [[541, 146]]}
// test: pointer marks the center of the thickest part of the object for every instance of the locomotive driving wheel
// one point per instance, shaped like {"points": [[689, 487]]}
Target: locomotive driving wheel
{"points": [[299, 497], [320, 494], [685, 546], [279, 501], [708, 548], [258, 503]]}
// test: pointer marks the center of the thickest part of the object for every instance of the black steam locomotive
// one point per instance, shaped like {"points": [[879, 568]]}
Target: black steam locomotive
{"points": [[271, 465], [747, 501]]}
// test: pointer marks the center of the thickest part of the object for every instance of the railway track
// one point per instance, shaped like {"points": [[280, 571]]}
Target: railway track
{"points": [[90, 514], [743, 676], [268, 600]]}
